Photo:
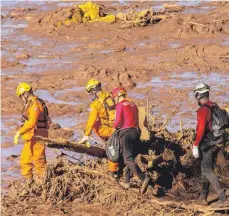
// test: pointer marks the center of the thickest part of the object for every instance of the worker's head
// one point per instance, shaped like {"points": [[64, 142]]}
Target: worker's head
{"points": [[119, 94], [202, 93], [24, 91], [93, 87]]}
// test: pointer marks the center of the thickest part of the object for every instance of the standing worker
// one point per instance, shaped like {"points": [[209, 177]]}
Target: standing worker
{"points": [[101, 117], [35, 121], [129, 135], [202, 150]]}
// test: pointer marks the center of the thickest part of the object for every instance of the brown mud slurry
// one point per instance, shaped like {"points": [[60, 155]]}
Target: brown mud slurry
{"points": [[162, 62]]}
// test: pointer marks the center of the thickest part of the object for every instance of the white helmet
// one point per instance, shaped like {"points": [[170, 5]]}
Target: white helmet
{"points": [[201, 88]]}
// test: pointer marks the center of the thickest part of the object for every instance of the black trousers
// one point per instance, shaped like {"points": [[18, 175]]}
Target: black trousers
{"points": [[129, 138], [208, 176]]}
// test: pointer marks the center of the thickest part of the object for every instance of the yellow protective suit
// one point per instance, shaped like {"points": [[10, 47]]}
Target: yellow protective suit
{"points": [[85, 12], [33, 153], [91, 13], [100, 119]]}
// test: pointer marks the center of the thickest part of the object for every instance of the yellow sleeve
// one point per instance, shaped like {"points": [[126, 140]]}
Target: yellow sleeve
{"points": [[33, 116], [91, 119]]}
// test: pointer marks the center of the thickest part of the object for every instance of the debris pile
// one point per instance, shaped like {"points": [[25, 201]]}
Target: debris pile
{"points": [[64, 181], [175, 173], [92, 12], [202, 25], [67, 16], [139, 19], [149, 16]]}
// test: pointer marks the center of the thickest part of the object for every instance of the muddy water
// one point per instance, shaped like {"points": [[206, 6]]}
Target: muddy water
{"points": [[49, 56], [13, 30], [186, 81]]}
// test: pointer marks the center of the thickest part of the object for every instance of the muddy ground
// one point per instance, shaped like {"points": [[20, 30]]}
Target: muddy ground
{"points": [[161, 62]]}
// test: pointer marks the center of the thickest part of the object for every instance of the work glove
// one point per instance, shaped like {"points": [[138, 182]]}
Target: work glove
{"points": [[16, 138], [85, 140], [150, 164], [195, 151]]}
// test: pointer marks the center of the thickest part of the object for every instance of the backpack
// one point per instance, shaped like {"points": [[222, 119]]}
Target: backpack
{"points": [[220, 121], [46, 120], [113, 147], [109, 106]]}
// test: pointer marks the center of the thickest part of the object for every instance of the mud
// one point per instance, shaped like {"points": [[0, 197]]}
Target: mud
{"points": [[175, 174], [161, 62]]}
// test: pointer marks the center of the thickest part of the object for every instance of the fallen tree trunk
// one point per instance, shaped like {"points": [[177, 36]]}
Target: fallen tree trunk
{"points": [[72, 146]]}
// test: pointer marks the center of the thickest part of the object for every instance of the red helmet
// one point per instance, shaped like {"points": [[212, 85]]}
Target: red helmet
{"points": [[118, 92]]}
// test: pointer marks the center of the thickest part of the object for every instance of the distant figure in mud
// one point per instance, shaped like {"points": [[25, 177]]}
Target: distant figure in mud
{"points": [[206, 147], [127, 123], [35, 121], [101, 117]]}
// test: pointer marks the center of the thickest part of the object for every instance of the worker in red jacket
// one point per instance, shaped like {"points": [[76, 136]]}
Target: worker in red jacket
{"points": [[204, 150], [127, 121]]}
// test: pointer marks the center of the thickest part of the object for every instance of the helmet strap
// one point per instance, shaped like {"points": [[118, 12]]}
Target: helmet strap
{"points": [[94, 95]]}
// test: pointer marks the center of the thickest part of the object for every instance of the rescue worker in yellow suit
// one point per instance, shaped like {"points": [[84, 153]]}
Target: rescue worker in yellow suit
{"points": [[35, 121], [101, 117]]}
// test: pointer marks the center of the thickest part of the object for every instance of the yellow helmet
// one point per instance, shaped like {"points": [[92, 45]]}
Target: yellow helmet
{"points": [[91, 84], [22, 88]]}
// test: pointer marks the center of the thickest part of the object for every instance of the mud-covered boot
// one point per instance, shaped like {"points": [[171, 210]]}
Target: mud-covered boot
{"points": [[202, 199], [222, 202], [125, 185], [127, 174], [115, 175], [126, 178], [145, 184]]}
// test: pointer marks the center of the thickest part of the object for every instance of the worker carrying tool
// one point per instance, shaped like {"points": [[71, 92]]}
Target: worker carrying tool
{"points": [[35, 121], [127, 124], [101, 117]]}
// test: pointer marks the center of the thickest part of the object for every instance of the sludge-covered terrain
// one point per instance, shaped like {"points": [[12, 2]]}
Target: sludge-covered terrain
{"points": [[66, 185], [160, 55]]}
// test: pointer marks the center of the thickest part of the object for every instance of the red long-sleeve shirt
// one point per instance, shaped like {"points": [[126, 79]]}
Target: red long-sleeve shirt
{"points": [[204, 122], [126, 115]]}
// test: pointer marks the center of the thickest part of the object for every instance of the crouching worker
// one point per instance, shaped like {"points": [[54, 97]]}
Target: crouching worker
{"points": [[129, 136], [35, 121], [101, 117]]}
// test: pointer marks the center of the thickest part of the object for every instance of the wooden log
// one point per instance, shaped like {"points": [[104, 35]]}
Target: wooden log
{"points": [[189, 206], [143, 124], [72, 146]]}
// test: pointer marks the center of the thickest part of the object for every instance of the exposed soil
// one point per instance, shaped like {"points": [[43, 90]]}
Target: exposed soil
{"points": [[162, 62]]}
